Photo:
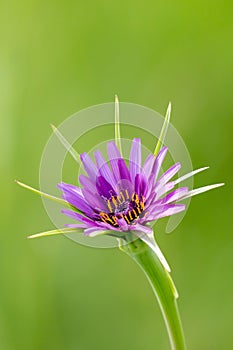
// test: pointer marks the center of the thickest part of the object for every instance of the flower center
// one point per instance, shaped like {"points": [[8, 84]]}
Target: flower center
{"points": [[124, 207]]}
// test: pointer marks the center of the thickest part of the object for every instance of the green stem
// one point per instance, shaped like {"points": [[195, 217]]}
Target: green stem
{"points": [[163, 289]]}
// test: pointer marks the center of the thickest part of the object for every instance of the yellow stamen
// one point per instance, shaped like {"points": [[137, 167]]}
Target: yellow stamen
{"points": [[122, 196], [130, 215], [119, 200], [139, 211], [115, 220], [114, 202], [109, 206], [137, 199], [142, 205], [125, 217], [105, 218]]}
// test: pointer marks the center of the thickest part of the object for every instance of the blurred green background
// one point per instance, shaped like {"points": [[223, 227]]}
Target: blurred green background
{"points": [[58, 57]]}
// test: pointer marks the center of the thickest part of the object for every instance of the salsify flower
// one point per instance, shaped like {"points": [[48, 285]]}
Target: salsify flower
{"points": [[119, 199], [124, 201]]}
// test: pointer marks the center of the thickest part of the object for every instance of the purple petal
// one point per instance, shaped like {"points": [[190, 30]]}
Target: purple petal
{"points": [[135, 159], [114, 155], [104, 188], [72, 195], [78, 203], [153, 167], [163, 189], [76, 225], [69, 188], [154, 196], [86, 182], [158, 162], [94, 200], [125, 185], [107, 226], [103, 169], [137, 184], [77, 216], [90, 167], [91, 230], [100, 227], [174, 195], [171, 209], [124, 171], [119, 168], [141, 228], [150, 199], [155, 209], [141, 185], [123, 225], [150, 183], [148, 165], [168, 175]]}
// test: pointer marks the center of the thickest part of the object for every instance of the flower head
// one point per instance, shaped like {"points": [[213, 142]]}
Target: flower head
{"points": [[123, 200]]}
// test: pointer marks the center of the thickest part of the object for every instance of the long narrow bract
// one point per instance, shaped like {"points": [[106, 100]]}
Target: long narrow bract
{"points": [[66, 144], [163, 132], [60, 231], [117, 125], [43, 194]]}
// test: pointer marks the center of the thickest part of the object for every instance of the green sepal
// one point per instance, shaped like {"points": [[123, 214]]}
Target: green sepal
{"points": [[60, 231], [117, 125], [43, 194], [66, 144], [163, 132]]}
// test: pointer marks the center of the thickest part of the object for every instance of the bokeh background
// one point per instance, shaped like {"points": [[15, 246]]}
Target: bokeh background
{"points": [[58, 57]]}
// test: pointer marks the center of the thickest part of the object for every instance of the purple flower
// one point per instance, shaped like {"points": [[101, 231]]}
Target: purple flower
{"points": [[120, 200]]}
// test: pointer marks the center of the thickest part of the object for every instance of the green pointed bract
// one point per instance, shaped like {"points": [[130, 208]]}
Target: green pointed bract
{"points": [[49, 196], [163, 131], [43, 194], [61, 231], [117, 125], [197, 191], [66, 144]]}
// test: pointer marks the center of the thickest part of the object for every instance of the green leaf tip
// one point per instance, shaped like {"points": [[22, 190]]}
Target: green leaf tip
{"points": [[164, 129], [43, 194], [60, 231], [66, 144], [117, 125], [199, 190]]}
